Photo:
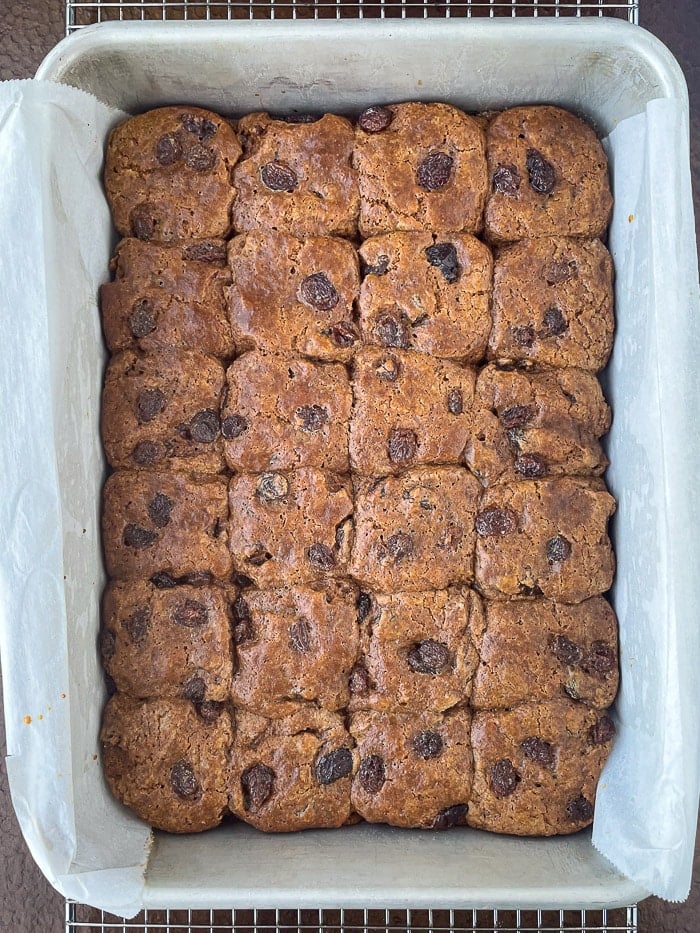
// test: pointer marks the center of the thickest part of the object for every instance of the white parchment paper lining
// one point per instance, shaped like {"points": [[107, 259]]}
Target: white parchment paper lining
{"points": [[56, 239]]}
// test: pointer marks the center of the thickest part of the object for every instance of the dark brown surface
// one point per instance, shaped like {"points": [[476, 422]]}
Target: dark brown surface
{"points": [[28, 29]]}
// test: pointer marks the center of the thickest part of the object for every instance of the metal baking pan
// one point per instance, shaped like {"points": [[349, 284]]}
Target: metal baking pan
{"points": [[607, 71]]}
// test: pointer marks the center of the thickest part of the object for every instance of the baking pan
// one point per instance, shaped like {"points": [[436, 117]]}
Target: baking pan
{"points": [[608, 72]]}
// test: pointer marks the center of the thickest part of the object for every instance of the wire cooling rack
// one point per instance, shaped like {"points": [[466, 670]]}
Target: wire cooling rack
{"points": [[96, 11], [623, 920], [82, 918]]}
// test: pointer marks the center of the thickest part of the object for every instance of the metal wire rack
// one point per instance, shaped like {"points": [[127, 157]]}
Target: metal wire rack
{"points": [[623, 920], [96, 11], [79, 917]]}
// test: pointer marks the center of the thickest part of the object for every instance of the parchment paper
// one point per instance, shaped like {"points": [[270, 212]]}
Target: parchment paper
{"points": [[56, 240]]}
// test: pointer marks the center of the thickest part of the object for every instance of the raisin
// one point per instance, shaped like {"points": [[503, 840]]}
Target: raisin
{"points": [[602, 731], [375, 119], [451, 816], [539, 751], [194, 690], [272, 487], [321, 557], [300, 636], [312, 417], [233, 426], [554, 323], [200, 158], [202, 127], [278, 177], [506, 179], [257, 783], [428, 657], [372, 774], [147, 453], [516, 416], [344, 334], [541, 172], [204, 426], [364, 605], [399, 546], [359, 680], [559, 271], [504, 778], [168, 149], [183, 780], [149, 403], [392, 331], [137, 624], [159, 509], [108, 644], [163, 580], [444, 257], [334, 766], [210, 710], [558, 549], [579, 810], [531, 466], [318, 291], [565, 650], [191, 614], [142, 320], [138, 537], [259, 555], [388, 369], [494, 521], [402, 445], [455, 403], [381, 266], [143, 223], [524, 336], [434, 171], [600, 659], [427, 744], [206, 251]]}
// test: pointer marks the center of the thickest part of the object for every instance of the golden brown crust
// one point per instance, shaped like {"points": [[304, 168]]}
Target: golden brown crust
{"points": [[439, 181], [414, 769], [545, 537], [166, 762], [553, 303], [537, 649], [417, 650], [296, 177], [161, 411], [409, 409], [415, 531], [548, 175], [427, 292], [529, 420], [168, 297], [292, 773], [168, 174], [294, 296], [292, 527], [286, 413], [168, 643], [165, 523], [536, 768], [295, 644]]}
